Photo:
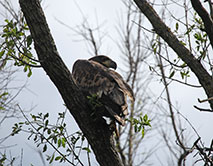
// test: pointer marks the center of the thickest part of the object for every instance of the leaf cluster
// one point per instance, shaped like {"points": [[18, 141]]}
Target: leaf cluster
{"points": [[67, 147], [17, 46], [3, 98], [140, 123]]}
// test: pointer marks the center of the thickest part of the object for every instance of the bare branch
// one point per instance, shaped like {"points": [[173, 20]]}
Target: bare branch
{"points": [[201, 101], [203, 109]]}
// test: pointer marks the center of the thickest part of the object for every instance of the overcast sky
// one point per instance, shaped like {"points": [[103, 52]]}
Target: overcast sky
{"points": [[45, 96]]}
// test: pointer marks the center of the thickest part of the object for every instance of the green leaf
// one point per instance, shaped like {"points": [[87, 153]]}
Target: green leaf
{"points": [[143, 132], [29, 40], [10, 24], [46, 122], [135, 121], [52, 158], [54, 139], [87, 149], [39, 128], [46, 115], [29, 73], [49, 131], [183, 43], [172, 74], [6, 20], [150, 68], [33, 117], [136, 128], [57, 158], [25, 68], [59, 143], [145, 118], [176, 26], [2, 53], [155, 50], [139, 128], [183, 65], [4, 94], [2, 159], [45, 148], [63, 142]]}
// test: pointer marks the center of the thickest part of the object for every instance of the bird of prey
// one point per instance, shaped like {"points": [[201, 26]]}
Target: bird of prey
{"points": [[96, 76]]}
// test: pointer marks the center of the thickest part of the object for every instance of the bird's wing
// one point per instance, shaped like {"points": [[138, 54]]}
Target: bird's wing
{"points": [[123, 85], [93, 77]]}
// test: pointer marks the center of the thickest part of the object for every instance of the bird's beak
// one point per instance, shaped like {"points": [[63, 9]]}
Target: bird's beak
{"points": [[110, 64], [113, 65]]}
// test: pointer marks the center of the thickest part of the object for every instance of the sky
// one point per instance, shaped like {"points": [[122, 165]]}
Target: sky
{"points": [[42, 95]]}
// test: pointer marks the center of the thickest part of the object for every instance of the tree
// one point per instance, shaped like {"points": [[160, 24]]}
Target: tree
{"points": [[97, 133], [192, 56], [131, 138], [8, 93], [17, 47], [186, 55], [189, 60]]}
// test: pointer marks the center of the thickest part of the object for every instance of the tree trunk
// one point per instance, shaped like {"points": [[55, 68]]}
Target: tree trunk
{"points": [[96, 131]]}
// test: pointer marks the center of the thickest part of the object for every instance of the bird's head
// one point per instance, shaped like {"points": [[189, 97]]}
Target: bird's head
{"points": [[104, 60]]}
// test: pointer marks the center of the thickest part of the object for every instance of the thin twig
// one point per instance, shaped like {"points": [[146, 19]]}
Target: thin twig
{"points": [[43, 136], [203, 109], [201, 101]]}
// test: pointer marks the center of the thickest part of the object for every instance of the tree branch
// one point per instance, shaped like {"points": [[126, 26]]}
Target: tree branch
{"points": [[96, 131], [163, 31]]}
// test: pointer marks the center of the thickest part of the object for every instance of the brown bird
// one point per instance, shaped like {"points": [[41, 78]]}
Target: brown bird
{"points": [[95, 77]]}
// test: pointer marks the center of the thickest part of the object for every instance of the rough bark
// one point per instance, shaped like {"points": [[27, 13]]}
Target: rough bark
{"points": [[164, 32], [96, 131]]}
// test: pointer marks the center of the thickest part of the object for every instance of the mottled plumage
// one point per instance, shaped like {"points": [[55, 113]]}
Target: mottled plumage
{"points": [[94, 76]]}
